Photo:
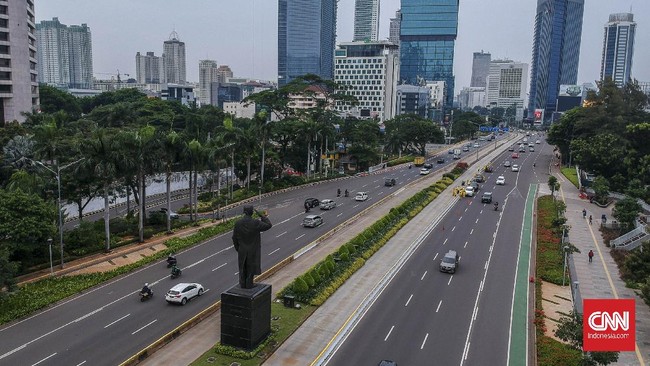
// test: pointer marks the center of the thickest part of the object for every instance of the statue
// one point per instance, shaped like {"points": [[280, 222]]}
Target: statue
{"points": [[246, 239]]}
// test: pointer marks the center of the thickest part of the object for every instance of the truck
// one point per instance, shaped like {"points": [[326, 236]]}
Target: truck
{"points": [[456, 154], [418, 161]]}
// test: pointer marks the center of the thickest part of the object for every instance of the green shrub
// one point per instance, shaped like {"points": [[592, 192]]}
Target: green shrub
{"points": [[316, 276], [645, 291], [345, 256], [300, 286], [83, 239], [324, 271], [309, 280], [351, 248], [343, 250], [338, 282]]}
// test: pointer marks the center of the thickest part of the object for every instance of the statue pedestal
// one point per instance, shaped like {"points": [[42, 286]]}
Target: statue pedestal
{"points": [[246, 316]]}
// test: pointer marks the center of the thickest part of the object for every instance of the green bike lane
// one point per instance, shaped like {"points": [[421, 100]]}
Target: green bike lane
{"points": [[519, 323]]}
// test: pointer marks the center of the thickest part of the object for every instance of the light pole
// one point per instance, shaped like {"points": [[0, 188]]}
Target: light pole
{"points": [[566, 252], [49, 244]]}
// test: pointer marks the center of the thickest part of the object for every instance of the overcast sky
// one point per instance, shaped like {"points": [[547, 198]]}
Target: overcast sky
{"points": [[243, 33]]}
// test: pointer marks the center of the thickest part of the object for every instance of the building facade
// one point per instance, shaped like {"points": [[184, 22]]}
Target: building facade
{"points": [[208, 74], [506, 86], [149, 69], [174, 60], [556, 51], [18, 70], [618, 48], [366, 20], [370, 71], [65, 57], [480, 69], [427, 36], [395, 23], [306, 38], [412, 99], [224, 73], [471, 97]]}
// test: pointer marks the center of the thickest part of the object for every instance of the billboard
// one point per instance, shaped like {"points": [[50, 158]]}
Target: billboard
{"points": [[570, 91], [538, 116]]}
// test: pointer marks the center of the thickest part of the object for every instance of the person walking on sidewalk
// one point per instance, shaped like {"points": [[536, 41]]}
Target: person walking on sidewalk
{"points": [[591, 256], [589, 219], [584, 213]]}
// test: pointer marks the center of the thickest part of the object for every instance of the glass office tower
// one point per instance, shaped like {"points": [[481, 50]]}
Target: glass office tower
{"points": [[618, 48], [427, 37], [306, 38], [556, 51]]}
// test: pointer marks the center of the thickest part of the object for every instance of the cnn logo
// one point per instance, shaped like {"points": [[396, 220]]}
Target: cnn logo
{"points": [[608, 325]]}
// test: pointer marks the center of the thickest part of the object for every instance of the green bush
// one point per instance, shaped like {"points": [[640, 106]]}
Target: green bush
{"points": [[309, 280], [323, 270], [343, 250], [83, 239], [345, 256], [300, 286], [316, 276], [351, 248], [645, 291]]}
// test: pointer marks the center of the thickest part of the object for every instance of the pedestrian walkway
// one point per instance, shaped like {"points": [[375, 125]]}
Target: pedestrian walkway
{"points": [[599, 279]]}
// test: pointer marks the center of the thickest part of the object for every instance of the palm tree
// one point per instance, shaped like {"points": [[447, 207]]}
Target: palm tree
{"points": [[171, 153]]}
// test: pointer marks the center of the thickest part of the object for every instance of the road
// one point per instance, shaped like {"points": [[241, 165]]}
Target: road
{"points": [[107, 324], [425, 317]]}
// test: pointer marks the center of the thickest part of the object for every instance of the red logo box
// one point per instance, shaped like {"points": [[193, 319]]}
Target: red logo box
{"points": [[608, 325]]}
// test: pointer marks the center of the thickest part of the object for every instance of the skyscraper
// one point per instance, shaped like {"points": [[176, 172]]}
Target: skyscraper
{"points": [[480, 68], [18, 79], [366, 20], [174, 60], [65, 57], [556, 51], [306, 38], [506, 86], [149, 69], [208, 74], [224, 72], [427, 36], [618, 48], [393, 35]]}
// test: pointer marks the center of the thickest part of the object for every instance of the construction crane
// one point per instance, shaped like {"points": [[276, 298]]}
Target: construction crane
{"points": [[113, 75]]}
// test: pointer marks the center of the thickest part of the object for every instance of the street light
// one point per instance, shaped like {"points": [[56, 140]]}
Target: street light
{"points": [[49, 244], [566, 253]]}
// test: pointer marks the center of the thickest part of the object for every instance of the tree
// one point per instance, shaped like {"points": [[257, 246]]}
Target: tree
{"points": [[570, 331], [53, 100], [601, 189], [172, 149], [626, 212], [553, 184], [412, 132]]}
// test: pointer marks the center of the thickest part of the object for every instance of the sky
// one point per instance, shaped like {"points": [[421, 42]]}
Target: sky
{"points": [[243, 33]]}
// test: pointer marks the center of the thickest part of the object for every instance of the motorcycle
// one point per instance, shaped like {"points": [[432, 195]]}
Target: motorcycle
{"points": [[496, 207], [347, 194], [338, 193], [171, 261], [176, 272], [144, 296]]}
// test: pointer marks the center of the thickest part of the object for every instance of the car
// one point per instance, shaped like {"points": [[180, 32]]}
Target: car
{"points": [[172, 215], [312, 221], [361, 196], [441, 160], [327, 204], [486, 197], [515, 156], [506, 163], [476, 144], [449, 262], [424, 171], [450, 152], [531, 149], [475, 185], [469, 191], [501, 180], [530, 144], [537, 142], [465, 148], [515, 168], [488, 169], [312, 202], [427, 166], [522, 149], [387, 363], [181, 293], [389, 182], [511, 148], [480, 178]]}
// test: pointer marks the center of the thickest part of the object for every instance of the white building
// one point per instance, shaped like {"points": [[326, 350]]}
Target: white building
{"points": [[437, 95], [174, 60], [366, 20], [506, 85], [394, 30], [18, 74], [370, 70], [239, 109], [65, 57], [471, 97], [618, 48], [208, 74], [149, 69]]}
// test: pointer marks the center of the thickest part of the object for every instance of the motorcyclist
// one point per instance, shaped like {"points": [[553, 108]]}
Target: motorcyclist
{"points": [[171, 260], [496, 206], [306, 207], [347, 194], [338, 192], [146, 290], [175, 270], [410, 165]]}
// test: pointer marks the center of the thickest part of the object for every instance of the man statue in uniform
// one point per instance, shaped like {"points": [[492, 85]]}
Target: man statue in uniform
{"points": [[246, 239]]}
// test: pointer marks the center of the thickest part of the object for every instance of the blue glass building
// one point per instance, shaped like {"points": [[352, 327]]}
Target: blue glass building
{"points": [[618, 48], [427, 36], [306, 38], [556, 51]]}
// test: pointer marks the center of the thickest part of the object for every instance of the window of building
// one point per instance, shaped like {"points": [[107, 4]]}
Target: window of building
{"points": [[4, 49], [5, 62], [5, 88], [4, 23], [5, 75], [3, 9]]}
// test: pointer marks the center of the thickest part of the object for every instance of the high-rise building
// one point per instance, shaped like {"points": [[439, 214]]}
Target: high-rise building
{"points": [[174, 60], [18, 74], [366, 20], [208, 74], [65, 57], [413, 99], [556, 51], [149, 69], [393, 35], [427, 36], [370, 71], [306, 38], [471, 97], [506, 86], [480, 68], [224, 73], [618, 48]]}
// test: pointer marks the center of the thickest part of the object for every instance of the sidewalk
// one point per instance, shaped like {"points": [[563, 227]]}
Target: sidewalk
{"points": [[599, 279]]}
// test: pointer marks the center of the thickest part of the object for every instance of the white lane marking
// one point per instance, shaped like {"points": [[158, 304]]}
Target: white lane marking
{"points": [[481, 212], [364, 186], [109, 324], [454, 228], [471, 232], [151, 322], [89, 314], [279, 235], [381, 193], [460, 218], [424, 274], [408, 301], [52, 355], [339, 214], [465, 246], [292, 217], [219, 267], [445, 242], [274, 251], [81, 363], [377, 187], [434, 258], [375, 181], [222, 250], [477, 221], [438, 308], [467, 208], [389, 332], [355, 206], [196, 263], [424, 341], [450, 278], [299, 237]]}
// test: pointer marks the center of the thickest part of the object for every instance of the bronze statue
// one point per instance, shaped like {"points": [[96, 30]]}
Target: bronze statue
{"points": [[246, 239]]}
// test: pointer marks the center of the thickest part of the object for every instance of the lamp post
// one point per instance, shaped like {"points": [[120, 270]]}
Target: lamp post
{"points": [[566, 253], [49, 244]]}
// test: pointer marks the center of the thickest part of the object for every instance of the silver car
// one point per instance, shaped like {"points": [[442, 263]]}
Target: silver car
{"points": [[327, 204]]}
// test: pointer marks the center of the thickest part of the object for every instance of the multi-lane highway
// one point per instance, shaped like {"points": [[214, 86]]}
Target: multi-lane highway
{"points": [[426, 317], [107, 324]]}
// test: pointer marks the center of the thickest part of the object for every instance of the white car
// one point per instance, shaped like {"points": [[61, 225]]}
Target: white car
{"points": [[537, 142], [476, 144], [424, 171], [183, 292], [469, 191], [515, 168], [327, 204], [506, 163], [501, 180], [361, 196]]}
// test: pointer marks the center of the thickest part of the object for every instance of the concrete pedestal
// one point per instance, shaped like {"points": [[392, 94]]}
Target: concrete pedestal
{"points": [[246, 316]]}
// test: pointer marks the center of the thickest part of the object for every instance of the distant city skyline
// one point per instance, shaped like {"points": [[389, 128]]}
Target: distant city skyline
{"points": [[244, 35]]}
